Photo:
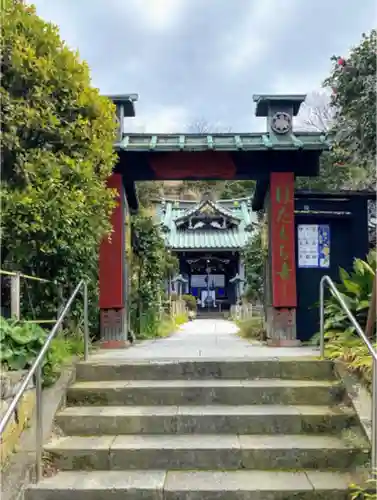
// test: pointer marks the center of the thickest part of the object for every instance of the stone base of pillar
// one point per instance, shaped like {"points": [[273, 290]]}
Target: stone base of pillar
{"points": [[281, 327], [113, 329]]}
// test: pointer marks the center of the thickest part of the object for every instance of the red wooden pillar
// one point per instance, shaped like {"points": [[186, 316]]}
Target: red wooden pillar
{"points": [[282, 320], [112, 262]]}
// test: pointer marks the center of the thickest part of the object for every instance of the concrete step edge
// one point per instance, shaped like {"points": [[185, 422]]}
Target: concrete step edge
{"points": [[201, 442], [153, 362], [191, 481], [204, 410], [205, 384]]}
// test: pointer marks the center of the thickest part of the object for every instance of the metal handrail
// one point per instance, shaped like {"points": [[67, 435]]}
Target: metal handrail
{"points": [[36, 370], [326, 280], [18, 274], [26, 276]]}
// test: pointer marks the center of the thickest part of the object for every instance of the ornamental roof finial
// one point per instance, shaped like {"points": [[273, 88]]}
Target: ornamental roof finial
{"points": [[208, 196]]}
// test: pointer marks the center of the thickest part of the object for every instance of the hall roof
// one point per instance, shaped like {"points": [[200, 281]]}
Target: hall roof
{"points": [[172, 212]]}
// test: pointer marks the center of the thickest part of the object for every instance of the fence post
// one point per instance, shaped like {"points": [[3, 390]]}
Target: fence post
{"points": [[15, 296]]}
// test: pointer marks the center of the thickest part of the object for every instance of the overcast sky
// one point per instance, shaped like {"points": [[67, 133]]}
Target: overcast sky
{"points": [[204, 59]]}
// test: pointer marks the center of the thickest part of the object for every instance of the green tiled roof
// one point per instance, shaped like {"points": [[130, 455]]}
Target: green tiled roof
{"points": [[177, 238], [198, 206], [223, 142]]}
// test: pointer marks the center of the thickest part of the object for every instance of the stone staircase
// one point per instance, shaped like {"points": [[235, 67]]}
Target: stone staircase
{"points": [[204, 430]]}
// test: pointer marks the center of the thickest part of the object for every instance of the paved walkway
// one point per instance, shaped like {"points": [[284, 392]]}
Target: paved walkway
{"points": [[203, 338]]}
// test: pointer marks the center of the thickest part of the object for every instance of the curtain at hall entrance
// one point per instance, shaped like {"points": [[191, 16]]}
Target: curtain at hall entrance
{"points": [[208, 286]]}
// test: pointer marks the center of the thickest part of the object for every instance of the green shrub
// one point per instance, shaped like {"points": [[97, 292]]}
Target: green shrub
{"points": [[345, 346], [252, 329], [190, 302], [341, 341], [180, 319], [366, 491], [169, 325], [356, 290], [58, 137], [149, 272], [21, 343]]}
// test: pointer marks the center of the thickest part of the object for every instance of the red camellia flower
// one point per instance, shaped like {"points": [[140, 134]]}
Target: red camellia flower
{"points": [[341, 61]]}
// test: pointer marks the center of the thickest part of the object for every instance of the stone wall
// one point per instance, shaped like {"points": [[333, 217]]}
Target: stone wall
{"points": [[9, 385]]}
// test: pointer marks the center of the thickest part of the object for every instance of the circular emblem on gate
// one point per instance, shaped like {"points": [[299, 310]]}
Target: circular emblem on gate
{"points": [[281, 122]]}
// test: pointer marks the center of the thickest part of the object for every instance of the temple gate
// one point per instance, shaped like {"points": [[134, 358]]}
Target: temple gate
{"points": [[273, 158]]}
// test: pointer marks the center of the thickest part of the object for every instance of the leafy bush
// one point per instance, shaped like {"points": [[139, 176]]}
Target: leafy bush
{"points": [[345, 346], [149, 268], [342, 342], [356, 290], [254, 255], [169, 325], [252, 329], [20, 344], [190, 302], [366, 491], [152, 264], [57, 153]]}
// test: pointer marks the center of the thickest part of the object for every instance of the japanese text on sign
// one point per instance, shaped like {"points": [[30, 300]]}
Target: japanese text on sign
{"points": [[283, 261]]}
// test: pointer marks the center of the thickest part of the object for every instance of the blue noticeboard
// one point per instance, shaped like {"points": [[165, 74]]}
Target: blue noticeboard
{"points": [[313, 246]]}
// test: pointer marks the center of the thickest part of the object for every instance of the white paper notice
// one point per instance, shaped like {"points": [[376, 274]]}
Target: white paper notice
{"points": [[308, 245]]}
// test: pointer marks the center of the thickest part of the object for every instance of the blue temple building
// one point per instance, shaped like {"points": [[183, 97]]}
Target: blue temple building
{"points": [[208, 236]]}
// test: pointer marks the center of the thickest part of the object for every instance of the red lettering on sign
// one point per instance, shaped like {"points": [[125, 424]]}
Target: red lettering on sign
{"points": [[283, 240]]}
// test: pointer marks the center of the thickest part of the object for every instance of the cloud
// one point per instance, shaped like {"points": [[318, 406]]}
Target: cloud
{"points": [[259, 31], [156, 15], [159, 119], [190, 59]]}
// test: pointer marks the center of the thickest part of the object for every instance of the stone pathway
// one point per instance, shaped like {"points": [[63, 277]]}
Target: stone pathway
{"points": [[204, 338]]}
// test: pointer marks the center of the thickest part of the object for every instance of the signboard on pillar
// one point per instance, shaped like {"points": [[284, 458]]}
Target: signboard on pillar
{"points": [[313, 246], [283, 240]]}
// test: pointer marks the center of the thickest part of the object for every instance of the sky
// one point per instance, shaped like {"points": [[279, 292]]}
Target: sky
{"points": [[203, 60]]}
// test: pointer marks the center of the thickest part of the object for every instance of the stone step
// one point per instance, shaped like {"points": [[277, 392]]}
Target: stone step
{"points": [[191, 485], [283, 368], [204, 392], [195, 451], [212, 419]]}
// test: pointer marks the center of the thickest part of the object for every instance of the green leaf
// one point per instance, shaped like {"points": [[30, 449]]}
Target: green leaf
{"points": [[343, 274], [17, 363], [351, 286], [5, 354], [363, 304]]}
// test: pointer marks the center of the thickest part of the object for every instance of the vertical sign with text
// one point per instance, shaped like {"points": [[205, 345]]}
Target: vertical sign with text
{"points": [[283, 240]]}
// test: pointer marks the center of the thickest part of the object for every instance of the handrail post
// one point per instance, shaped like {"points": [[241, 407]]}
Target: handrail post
{"points": [[39, 422], [322, 316], [86, 323], [374, 415], [15, 296]]}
